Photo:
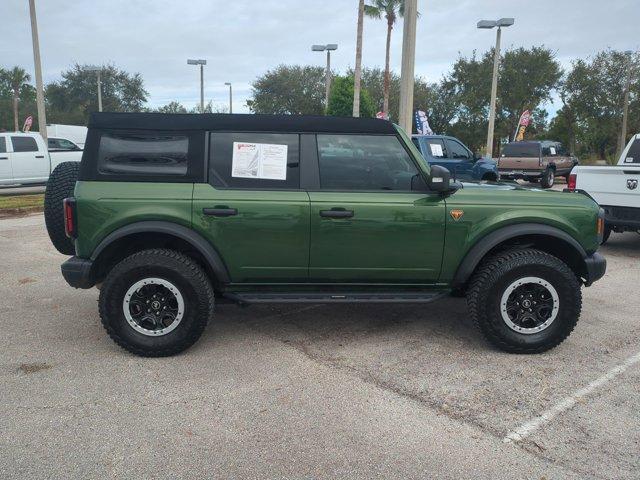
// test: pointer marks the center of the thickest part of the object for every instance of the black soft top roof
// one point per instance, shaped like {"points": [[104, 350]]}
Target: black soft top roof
{"points": [[239, 122]]}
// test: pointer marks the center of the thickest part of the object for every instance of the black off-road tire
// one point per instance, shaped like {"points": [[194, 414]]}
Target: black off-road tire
{"points": [[60, 185], [191, 281], [548, 178], [491, 280]]}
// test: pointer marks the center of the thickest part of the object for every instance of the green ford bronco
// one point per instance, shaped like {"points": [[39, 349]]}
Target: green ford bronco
{"points": [[169, 214]]}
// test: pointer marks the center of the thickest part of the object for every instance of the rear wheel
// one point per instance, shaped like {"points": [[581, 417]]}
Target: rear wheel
{"points": [[606, 234], [524, 301], [156, 302], [60, 185], [548, 178]]}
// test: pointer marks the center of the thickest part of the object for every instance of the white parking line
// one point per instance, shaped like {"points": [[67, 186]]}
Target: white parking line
{"points": [[531, 426]]}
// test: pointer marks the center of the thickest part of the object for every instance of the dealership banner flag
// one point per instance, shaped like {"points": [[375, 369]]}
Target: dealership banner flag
{"points": [[525, 119], [422, 123]]}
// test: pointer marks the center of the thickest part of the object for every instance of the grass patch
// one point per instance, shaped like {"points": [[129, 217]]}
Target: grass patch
{"points": [[18, 203]]}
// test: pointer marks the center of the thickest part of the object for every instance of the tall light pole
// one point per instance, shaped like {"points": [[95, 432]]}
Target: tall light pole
{"points": [[329, 48], [97, 70], [408, 64], [202, 63], [489, 24], [230, 96], [625, 105], [357, 72], [42, 116]]}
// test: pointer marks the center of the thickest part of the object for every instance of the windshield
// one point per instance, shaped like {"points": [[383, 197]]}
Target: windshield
{"points": [[517, 149]]}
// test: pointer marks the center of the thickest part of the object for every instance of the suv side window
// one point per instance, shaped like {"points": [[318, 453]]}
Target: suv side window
{"points": [[246, 160], [457, 150], [24, 144], [145, 154], [364, 162], [3, 145]]}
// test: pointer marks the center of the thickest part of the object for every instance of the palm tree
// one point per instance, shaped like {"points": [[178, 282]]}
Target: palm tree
{"points": [[391, 10], [17, 78], [357, 73]]}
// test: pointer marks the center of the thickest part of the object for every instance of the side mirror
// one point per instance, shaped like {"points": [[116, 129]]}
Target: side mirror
{"points": [[440, 179]]}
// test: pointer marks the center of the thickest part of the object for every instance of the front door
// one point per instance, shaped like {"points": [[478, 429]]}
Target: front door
{"points": [[252, 210], [462, 158], [367, 224]]}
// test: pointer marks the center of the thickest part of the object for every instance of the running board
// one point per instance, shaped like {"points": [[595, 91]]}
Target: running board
{"points": [[359, 297]]}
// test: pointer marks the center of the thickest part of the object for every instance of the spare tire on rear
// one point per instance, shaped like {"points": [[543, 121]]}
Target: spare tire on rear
{"points": [[61, 184]]}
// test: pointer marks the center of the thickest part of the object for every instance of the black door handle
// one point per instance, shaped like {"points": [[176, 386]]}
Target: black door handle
{"points": [[39, 156], [4, 158], [334, 213], [220, 211]]}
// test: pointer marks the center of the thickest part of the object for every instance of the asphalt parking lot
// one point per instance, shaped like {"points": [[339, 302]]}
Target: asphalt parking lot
{"points": [[360, 391]]}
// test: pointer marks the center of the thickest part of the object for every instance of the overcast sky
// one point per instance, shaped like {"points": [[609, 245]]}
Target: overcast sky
{"points": [[241, 39]]}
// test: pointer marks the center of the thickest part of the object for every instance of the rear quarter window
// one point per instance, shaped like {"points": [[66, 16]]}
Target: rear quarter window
{"points": [[3, 145], [155, 154]]}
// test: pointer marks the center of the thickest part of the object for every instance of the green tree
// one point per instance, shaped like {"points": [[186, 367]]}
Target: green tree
{"points": [[171, 107], [289, 89], [71, 99], [527, 79], [26, 101], [390, 10], [17, 80], [341, 99], [592, 93]]}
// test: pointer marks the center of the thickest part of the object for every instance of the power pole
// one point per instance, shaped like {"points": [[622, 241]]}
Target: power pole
{"points": [[625, 106], [42, 119], [357, 73], [494, 93], [408, 64], [201, 88], [99, 92]]}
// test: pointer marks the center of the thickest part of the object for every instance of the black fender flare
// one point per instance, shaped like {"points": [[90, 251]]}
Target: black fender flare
{"points": [[208, 252], [475, 255]]}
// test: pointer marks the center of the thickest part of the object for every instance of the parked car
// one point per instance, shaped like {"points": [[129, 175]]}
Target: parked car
{"points": [[74, 133], [25, 159], [536, 160], [62, 145], [170, 214], [451, 153], [614, 188]]}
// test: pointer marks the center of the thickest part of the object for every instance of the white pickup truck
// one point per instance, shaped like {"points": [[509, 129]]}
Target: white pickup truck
{"points": [[616, 189], [26, 159]]}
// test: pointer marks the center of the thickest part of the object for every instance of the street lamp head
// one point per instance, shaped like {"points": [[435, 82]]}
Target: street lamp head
{"points": [[196, 62], [93, 68], [318, 48], [228, 84], [628, 52], [332, 46], [506, 22], [487, 23]]}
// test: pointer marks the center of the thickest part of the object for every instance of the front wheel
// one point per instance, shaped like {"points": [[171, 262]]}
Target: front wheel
{"points": [[524, 301], [156, 303]]}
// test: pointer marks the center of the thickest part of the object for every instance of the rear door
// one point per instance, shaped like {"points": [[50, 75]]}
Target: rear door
{"points": [[367, 223], [27, 162], [6, 175], [252, 209]]}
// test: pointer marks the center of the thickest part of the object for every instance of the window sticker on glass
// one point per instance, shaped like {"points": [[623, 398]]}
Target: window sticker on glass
{"points": [[552, 150], [436, 150], [259, 160]]}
